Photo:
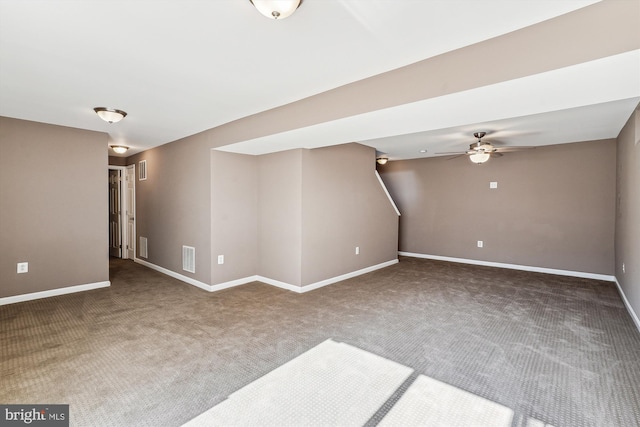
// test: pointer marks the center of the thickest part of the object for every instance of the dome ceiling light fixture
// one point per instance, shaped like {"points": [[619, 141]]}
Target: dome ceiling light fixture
{"points": [[120, 149], [110, 115], [276, 9], [382, 160]]}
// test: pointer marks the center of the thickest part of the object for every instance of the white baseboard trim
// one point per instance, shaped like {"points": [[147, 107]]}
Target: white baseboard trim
{"points": [[268, 281], [279, 284], [306, 288], [580, 274], [175, 275], [53, 292], [342, 277], [232, 283], [633, 314]]}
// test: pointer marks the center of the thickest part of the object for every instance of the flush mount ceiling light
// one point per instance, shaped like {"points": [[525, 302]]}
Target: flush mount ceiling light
{"points": [[120, 149], [110, 115], [382, 160], [276, 9]]}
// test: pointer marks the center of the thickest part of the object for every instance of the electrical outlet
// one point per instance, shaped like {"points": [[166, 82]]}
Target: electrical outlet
{"points": [[480, 244], [23, 267], [220, 259], [357, 250], [623, 267]]}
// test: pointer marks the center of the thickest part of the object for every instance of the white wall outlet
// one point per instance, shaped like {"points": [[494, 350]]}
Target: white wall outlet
{"points": [[480, 244], [622, 268], [357, 250], [23, 267], [493, 184], [220, 259]]}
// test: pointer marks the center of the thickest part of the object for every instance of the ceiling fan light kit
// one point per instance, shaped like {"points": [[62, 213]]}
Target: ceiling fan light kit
{"points": [[479, 158], [382, 160], [480, 152]]}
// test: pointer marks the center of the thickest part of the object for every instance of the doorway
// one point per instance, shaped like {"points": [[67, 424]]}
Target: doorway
{"points": [[115, 213], [122, 230]]}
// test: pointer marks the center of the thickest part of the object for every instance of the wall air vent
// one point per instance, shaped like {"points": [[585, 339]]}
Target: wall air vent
{"points": [[142, 170], [143, 248], [189, 259]]}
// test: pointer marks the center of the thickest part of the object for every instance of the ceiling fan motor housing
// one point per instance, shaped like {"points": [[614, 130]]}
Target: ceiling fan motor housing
{"points": [[481, 147]]}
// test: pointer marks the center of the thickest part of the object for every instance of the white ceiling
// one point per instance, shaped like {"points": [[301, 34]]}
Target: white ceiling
{"points": [[180, 67]]}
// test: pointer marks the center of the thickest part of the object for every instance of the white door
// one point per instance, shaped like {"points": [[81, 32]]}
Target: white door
{"points": [[130, 190], [115, 230]]}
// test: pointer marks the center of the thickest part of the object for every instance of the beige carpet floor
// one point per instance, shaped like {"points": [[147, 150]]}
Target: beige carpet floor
{"points": [[153, 351]]}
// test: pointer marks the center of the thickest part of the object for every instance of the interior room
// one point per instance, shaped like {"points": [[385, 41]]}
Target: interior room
{"points": [[355, 212]]}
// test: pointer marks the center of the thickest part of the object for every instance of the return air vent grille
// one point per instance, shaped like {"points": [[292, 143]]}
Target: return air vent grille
{"points": [[143, 248], [142, 170], [189, 259]]}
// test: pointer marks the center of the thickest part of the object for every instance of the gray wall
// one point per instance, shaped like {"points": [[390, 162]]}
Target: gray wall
{"points": [[344, 206], [173, 205], [628, 211], [53, 210], [280, 216], [553, 208], [296, 216], [117, 161], [234, 215]]}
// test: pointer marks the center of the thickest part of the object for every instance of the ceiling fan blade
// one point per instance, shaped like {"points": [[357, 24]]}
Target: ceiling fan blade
{"points": [[453, 152], [496, 154], [507, 149], [456, 156]]}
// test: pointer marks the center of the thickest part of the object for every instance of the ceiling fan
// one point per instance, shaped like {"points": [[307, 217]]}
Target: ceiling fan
{"points": [[480, 152]]}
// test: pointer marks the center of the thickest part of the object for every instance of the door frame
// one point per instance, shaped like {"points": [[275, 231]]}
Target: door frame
{"points": [[123, 211], [130, 243]]}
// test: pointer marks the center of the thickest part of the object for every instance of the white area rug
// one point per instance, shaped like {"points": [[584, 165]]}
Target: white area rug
{"points": [[332, 384], [429, 402]]}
